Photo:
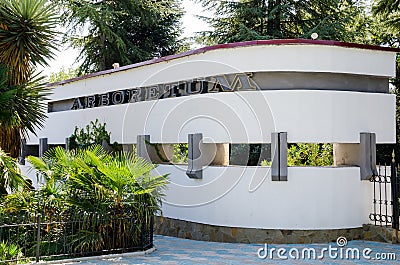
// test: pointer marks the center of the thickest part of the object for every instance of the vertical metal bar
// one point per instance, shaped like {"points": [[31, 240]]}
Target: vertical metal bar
{"points": [[113, 231], [142, 146], [64, 246], [142, 235], [26, 229], [67, 147], [275, 156], [380, 200], [72, 246], [43, 146], [386, 198], [195, 164], [373, 153], [279, 156], [395, 194], [38, 238], [79, 226], [151, 230], [374, 201]]}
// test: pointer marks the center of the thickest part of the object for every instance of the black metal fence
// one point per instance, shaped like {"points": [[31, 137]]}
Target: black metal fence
{"points": [[386, 189], [45, 236]]}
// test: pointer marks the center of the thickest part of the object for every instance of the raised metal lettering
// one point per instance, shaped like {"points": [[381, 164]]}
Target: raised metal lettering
{"points": [[221, 83], [90, 100], [118, 97], [134, 95], [152, 93], [77, 104], [104, 100]]}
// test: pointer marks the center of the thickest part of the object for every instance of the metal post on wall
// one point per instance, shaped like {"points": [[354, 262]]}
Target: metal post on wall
{"points": [[67, 147], [142, 147], [43, 146], [367, 156], [279, 168], [395, 193], [195, 165]]}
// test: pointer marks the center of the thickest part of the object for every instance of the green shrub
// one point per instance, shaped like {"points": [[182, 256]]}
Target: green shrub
{"points": [[93, 133], [93, 181], [310, 154], [180, 153], [10, 252]]}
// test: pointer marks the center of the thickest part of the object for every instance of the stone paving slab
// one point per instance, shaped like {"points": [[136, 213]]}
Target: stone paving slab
{"points": [[172, 250]]}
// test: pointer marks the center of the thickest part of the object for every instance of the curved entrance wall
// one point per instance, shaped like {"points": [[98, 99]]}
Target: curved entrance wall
{"points": [[314, 91], [308, 116], [312, 198]]}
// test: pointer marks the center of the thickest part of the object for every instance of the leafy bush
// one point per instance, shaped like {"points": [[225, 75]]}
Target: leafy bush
{"points": [[93, 133], [310, 154], [249, 154], [180, 153], [266, 163], [102, 190], [9, 252], [93, 180]]}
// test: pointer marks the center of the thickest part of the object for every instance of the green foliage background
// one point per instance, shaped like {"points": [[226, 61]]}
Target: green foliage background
{"points": [[124, 32]]}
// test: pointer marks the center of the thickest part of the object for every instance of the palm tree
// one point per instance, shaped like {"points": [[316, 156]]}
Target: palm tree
{"points": [[91, 180], [22, 108], [26, 40], [10, 175]]}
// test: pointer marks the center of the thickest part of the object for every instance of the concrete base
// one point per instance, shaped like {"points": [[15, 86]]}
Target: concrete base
{"points": [[204, 232], [381, 234], [189, 230]]}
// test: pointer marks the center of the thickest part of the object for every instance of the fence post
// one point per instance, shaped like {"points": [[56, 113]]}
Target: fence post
{"points": [[142, 231], [38, 238], [395, 194], [151, 229]]}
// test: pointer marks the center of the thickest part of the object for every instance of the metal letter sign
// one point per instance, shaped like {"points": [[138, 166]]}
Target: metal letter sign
{"points": [[215, 84]]}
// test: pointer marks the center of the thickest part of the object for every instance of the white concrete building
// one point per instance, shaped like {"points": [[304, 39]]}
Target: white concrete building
{"points": [[277, 91]]}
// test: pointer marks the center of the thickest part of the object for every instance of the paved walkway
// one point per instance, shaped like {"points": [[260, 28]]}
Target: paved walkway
{"points": [[172, 250]]}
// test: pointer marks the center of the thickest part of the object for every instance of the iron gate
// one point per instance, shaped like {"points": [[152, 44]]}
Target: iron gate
{"points": [[386, 187]]}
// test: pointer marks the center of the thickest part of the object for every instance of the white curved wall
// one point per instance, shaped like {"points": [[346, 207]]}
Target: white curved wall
{"points": [[257, 58], [312, 198], [239, 117]]}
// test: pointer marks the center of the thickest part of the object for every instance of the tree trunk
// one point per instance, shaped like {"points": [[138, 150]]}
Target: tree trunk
{"points": [[10, 140]]}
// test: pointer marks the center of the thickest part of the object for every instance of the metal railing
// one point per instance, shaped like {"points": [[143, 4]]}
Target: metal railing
{"points": [[386, 197], [49, 236]]}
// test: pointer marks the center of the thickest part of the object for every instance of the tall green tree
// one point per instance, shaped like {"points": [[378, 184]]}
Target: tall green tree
{"points": [[27, 39], [386, 17], [63, 74], [22, 109], [124, 32], [391, 10], [386, 31], [280, 19]]}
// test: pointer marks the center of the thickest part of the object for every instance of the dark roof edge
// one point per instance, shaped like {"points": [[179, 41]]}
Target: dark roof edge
{"points": [[228, 46]]}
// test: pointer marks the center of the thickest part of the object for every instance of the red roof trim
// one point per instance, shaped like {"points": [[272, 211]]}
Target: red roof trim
{"points": [[228, 46]]}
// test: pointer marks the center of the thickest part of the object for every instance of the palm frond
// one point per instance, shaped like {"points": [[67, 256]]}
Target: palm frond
{"points": [[26, 35], [10, 174]]}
